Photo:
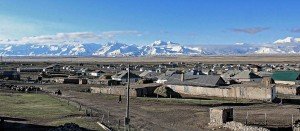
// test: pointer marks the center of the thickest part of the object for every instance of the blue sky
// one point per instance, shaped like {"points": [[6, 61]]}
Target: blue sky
{"points": [[190, 22]]}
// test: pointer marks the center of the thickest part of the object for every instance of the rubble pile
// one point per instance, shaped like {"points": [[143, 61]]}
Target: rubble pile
{"points": [[20, 88], [237, 126], [67, 127]]}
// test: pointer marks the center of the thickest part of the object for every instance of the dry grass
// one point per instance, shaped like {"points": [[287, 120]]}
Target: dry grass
{"points": [[42, 109]]}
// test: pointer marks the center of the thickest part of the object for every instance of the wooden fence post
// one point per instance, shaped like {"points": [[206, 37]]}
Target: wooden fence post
{"points": [[102, 118], [91, 115], [266, 119], [292, 120], [247, 118], [119, 122], [108, 116]]}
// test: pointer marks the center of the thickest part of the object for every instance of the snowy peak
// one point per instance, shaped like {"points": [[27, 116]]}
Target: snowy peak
{"points": [[287, 40], [168, 48], [114, 49], [159, 43], [117, 49]]}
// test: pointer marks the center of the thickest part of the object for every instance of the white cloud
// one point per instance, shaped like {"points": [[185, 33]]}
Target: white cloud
{"points": [[73, 37], [252, 30], [61, 38]]}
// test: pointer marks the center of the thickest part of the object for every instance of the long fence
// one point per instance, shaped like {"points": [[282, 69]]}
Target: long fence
{"points": [[267, 119], [103, 116]]}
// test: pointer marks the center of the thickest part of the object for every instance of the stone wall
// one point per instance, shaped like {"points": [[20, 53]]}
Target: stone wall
{"points": [[136, 92], [287, 89], [220, 115], [113, 90], [241, 91], [285, 82]]}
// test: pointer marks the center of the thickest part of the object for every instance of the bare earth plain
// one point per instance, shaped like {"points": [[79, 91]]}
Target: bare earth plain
{"points": [[250, 59], [168, 113]]}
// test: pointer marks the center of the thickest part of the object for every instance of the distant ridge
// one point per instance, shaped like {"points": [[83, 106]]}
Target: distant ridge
{"points": [[115, 49]]}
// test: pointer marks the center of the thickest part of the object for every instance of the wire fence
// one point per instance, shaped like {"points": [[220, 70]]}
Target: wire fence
{"points": [[103, 116], [267, 119]]}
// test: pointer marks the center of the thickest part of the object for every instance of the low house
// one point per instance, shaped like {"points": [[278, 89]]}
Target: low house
{"points": [[247, 76], [96, 73], [162, 78], [165, 76], [286, 77], [195, 72], [255, 68], [80, 72], [148, 75], [135, 90], [208, 72], [195, 80], [71, 81], [227, 76], [10, 75], [241, 76], [29, 69], [214, 86], [52, 68], [123, 76]]}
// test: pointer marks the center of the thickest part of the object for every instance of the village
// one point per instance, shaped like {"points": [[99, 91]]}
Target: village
{"points": [[227, 96]]}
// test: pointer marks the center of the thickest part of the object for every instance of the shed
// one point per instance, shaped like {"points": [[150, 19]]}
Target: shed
{"points": [[220, 115]]}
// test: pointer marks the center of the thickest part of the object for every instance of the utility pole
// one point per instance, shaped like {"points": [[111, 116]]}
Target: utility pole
{"points": [[126, 122]]}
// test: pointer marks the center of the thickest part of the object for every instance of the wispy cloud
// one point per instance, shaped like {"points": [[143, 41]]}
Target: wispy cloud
{"points": [[61, 37], [252, 30], [295, 30], [72, 37]]}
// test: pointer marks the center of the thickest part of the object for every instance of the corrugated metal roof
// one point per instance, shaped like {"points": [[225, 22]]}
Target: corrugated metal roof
{"points": [[286, 75]]}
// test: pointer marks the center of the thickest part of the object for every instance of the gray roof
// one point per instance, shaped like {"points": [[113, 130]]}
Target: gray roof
{"points": [[196, 80], [148, 74], [123, 74], [230, 73], [51, 66], [170, 72], [97, 71], [246, 75]]}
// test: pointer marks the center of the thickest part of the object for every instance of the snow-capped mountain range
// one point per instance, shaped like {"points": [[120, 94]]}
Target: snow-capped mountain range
{"points": [[288, 45]]}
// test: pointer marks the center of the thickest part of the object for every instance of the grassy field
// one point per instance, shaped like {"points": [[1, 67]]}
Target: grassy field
{"points": [[42, 109]]}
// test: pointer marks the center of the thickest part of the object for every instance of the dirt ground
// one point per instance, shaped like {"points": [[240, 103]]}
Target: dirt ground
{"points": [[251, 59], [149, 114], [172, 113]]}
